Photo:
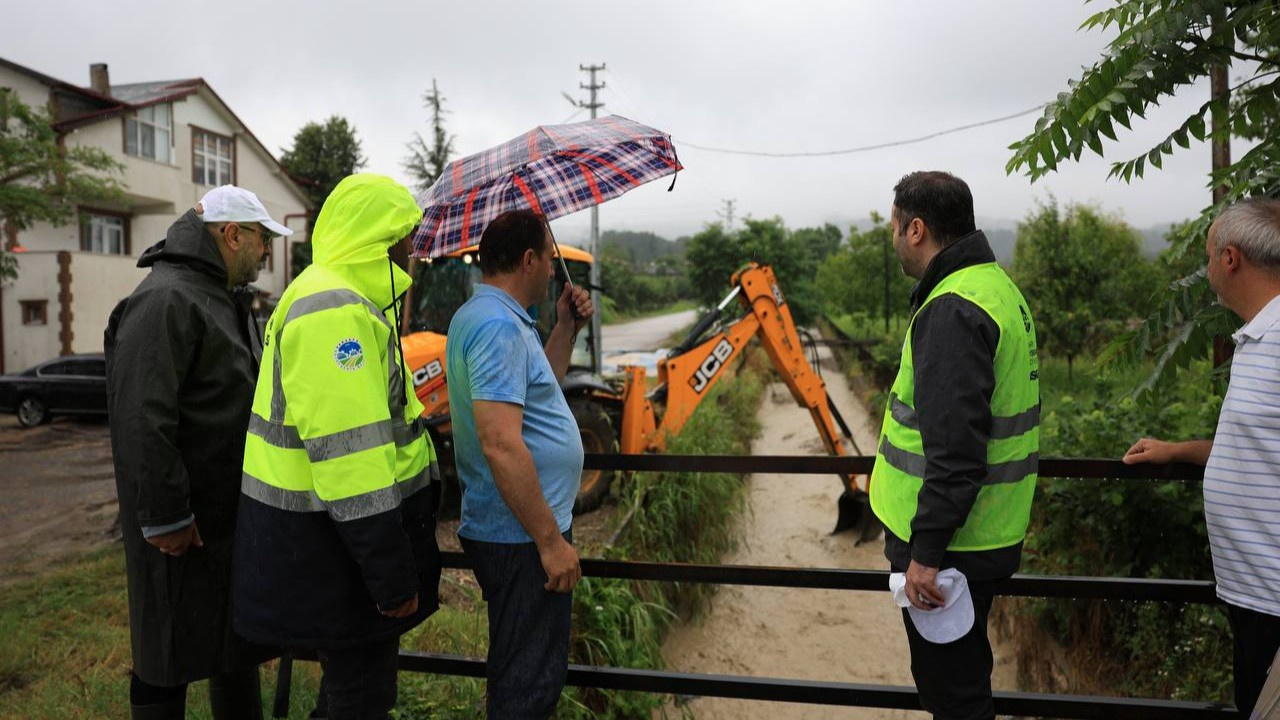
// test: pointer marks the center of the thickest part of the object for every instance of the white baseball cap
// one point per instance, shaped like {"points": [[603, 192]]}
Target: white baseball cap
{"points": [[944, 624], [229, 203]]}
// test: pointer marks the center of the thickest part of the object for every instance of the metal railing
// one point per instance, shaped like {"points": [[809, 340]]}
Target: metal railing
{"points": [[839, 693]]}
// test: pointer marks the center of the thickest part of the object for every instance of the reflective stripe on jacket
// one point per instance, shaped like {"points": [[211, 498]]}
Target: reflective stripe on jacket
{"points": [[333, 427], [335, 522], [1000, 515]]}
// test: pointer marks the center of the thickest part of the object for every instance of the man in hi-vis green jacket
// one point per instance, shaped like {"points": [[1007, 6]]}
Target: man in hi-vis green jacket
{"points": [[959, 447], [335, 546]]}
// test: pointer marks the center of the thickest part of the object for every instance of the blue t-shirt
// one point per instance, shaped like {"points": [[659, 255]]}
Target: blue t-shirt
{"points": [[494, 353]]}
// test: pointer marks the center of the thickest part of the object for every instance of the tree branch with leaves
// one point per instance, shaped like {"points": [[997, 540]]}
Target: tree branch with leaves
{"points": [[1163, 46], [42, 179], [322, 154]]}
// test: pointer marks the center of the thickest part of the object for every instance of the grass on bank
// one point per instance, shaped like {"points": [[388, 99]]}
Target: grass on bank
{"points": [[65, 650], [610, 315]]}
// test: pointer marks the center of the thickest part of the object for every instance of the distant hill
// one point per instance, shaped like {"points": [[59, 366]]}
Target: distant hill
{"points": [[1002, 241], [644, 247], [1154, 239], [1151, 239]]}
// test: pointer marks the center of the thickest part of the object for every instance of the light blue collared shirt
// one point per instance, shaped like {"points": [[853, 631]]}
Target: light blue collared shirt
{"points": [[493, 353]]}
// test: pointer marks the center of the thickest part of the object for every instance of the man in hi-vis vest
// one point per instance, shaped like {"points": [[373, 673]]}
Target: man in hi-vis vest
{"points": [[956, 464], [335, 544]]}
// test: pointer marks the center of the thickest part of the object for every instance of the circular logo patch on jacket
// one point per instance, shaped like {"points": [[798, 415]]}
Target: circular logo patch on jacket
{"points": [[349, 355]]}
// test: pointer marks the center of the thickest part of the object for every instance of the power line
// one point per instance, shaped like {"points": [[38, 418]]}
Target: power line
{"points": [[575, 114], [864, 148]]}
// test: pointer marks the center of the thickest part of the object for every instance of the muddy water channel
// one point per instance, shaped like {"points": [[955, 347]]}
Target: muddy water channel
{"points": [[829, 635]]}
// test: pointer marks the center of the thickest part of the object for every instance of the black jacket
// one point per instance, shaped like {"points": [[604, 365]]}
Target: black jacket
{"points": [[953, 348], [298, 583], [181, 366]]}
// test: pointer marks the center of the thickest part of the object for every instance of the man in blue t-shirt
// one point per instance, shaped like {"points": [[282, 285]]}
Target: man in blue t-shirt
{"points": [[519, 456]]}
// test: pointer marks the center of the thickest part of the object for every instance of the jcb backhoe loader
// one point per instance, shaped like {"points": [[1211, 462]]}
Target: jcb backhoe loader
{"points": [[687, 374], [622, 415]]}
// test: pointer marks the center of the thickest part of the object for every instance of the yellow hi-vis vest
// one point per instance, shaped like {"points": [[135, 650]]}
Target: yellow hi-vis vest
{"points": [[1002, 510], [335, 427]]}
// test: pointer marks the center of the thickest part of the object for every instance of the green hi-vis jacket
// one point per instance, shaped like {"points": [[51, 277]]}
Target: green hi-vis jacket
{"points": [[1000, 514], [335, 518]]}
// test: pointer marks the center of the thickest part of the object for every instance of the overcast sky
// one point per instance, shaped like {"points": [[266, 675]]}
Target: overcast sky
{"points": [[772, 76]]}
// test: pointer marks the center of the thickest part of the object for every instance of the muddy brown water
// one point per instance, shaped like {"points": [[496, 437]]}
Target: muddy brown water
{"points": [[830, 635]]}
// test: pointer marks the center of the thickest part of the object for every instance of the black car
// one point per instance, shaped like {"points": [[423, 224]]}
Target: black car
{"points": [[69, 385]]}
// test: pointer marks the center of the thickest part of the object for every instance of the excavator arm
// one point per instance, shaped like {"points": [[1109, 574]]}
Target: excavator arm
{"points": [[688, 374]]}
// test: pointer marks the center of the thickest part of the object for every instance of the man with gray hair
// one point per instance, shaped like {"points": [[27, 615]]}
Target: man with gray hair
{"points": [[1242, 460]]}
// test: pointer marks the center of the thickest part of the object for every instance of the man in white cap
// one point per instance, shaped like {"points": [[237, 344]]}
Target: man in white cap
{"points": [[182, 356]]}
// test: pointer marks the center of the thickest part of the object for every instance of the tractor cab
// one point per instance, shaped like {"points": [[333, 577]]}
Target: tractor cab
{"points": [[440, 287]]}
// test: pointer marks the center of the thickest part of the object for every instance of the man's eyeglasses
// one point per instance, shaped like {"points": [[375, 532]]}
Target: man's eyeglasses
{"points": [[266, 235]]}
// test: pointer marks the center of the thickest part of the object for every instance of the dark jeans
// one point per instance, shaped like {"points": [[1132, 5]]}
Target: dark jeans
{"points": [[1257, 636], [954, 680], [528, 630], [360, 682]]}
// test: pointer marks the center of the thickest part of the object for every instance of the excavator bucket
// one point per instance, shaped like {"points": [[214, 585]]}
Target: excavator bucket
{"points": [[854, 513]]}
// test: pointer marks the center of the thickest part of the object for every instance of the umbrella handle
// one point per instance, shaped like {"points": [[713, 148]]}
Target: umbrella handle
{"points": [[560, 257], [565, 268]]}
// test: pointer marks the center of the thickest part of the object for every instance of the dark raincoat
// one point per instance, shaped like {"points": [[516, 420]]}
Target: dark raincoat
{"points": [[181, 364]]}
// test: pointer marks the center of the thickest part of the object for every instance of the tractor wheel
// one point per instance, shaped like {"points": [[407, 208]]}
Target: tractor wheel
{"points": [[597, 437]]}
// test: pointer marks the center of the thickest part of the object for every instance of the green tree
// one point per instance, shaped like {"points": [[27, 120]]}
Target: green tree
{"points": [[42, 179], [617, 274], [1161, 47], [645, 248], [426, 161], [822, 241], [711, 258], [322, 154], [1083, 275], [794, 262], [853, 280]]}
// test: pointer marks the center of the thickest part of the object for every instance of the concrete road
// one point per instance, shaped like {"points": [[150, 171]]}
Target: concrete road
{"points": [[646, 334]]}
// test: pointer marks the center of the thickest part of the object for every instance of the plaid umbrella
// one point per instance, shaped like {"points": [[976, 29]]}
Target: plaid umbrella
{"points": [[552, 169]]}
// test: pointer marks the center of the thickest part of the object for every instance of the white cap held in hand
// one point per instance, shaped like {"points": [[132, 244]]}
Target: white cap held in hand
{"points": [[944, 624]]}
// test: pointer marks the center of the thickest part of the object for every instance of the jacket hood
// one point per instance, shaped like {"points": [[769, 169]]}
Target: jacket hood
{"points": [[187, 243], [364, 216]]}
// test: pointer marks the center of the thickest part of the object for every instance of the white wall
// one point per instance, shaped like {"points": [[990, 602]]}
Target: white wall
{"points": [[30, 91], [98, 282], [255, 171], [25, 346]]}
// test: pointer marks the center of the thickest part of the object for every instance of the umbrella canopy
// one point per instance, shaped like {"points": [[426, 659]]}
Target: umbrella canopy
{"points": [[552, 169]]}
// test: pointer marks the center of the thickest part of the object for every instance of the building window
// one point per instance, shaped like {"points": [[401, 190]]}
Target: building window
{"points": [[149, 133], [105, 234], [212, 158], [35, 312]]}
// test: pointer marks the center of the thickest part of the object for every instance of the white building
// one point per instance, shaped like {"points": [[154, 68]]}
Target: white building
{"points": [[177, 140]]}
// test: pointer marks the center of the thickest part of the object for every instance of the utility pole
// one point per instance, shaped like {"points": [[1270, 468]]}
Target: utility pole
{"points": [[593, 105], [727, 215]]}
